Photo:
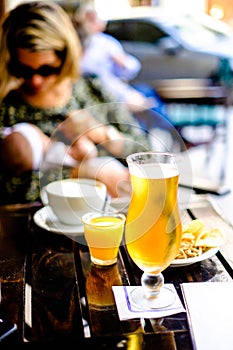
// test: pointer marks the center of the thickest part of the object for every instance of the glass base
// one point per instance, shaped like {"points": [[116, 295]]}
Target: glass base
{"points": [[165, 298], [103, 262]]}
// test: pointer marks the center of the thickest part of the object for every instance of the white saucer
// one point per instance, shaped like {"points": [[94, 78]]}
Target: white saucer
{"points": [[46, 219], [120, 204]]}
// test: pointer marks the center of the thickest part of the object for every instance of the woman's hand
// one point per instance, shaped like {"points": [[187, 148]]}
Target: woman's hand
{"points": [[79, 123], [109, 171], [82, 149]]}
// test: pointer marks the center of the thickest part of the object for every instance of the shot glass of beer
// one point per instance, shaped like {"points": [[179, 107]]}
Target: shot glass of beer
{"points": [[103, 233]]}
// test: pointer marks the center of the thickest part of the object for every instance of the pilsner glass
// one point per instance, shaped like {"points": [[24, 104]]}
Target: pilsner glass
{"points": [[153, 226]]}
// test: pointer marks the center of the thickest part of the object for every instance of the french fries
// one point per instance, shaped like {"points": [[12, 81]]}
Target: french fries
{"points": [[196, 239]]}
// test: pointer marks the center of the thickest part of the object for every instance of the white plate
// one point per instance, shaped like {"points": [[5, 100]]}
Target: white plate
{"points": [[184, 262], [46, 219], [120, 204]]}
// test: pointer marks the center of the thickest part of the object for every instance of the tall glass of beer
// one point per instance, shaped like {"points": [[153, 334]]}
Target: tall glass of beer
{"points": [[153, 225]]}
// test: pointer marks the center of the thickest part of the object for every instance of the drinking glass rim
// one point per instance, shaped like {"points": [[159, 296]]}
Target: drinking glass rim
{"points": [[87, 216], [137, 154]]}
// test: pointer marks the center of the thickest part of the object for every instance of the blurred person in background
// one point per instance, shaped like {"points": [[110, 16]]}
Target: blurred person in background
{"points": [[53, 122], [105, 57]]}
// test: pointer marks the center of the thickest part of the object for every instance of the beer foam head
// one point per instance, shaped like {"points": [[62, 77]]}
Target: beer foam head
{"points": [[153, 171]]}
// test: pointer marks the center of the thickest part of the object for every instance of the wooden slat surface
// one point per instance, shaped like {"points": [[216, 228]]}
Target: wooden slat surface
{"points": [[71, 300]]}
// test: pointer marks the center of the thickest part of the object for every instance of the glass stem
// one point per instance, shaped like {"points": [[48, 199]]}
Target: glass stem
{"points": [[152, 284]]}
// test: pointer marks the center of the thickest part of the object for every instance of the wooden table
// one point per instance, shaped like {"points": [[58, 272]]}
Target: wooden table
{"points": [[56, 297]]}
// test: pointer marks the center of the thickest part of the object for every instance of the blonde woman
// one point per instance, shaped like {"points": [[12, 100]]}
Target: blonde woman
{"points": [[53, 123]]}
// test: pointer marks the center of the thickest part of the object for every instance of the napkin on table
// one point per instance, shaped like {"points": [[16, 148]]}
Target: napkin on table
{"points": [[126, 310], [209, 312]]}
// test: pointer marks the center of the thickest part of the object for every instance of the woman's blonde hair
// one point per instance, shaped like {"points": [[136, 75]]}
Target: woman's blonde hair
{"points": [[38, 26]]}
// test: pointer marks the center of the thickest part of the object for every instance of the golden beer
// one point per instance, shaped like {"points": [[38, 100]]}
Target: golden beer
{"points": [[153, 227], [103, 234]]}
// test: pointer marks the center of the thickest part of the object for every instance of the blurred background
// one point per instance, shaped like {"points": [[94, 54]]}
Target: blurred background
{"points": [[219, 9]]}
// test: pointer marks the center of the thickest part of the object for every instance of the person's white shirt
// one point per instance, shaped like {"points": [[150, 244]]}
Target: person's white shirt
{"points": [[99, 59]]}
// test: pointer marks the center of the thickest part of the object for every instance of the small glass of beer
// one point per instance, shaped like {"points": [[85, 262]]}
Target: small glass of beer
{"points": [[103, 233]]}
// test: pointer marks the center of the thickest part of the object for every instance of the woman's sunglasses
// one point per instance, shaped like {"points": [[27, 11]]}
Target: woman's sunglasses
{"points": [[26, 72]]}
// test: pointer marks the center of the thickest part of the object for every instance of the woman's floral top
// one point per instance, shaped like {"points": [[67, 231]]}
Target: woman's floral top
{"points": [[87, 94]]}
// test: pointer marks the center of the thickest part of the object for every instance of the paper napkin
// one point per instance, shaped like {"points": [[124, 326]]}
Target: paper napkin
{"points": [[126, 310], [209, 311]]}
